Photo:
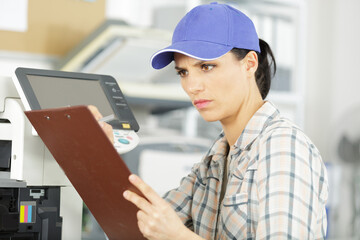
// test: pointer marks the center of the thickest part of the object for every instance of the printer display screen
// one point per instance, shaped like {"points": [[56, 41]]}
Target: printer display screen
{"points": [[53, 92]]}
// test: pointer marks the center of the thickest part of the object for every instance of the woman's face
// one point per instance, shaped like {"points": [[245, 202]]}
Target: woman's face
{"points": [[217, 88]]}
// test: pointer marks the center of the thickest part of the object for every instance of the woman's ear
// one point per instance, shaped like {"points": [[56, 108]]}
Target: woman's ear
{"points": [[251, 61]]}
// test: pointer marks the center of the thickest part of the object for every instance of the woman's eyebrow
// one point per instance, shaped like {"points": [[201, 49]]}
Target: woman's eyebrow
{"points": [[179, 68], [198, 63]]}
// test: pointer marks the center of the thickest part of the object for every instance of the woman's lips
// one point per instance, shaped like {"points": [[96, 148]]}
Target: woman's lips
{"points": [[201, 103]]}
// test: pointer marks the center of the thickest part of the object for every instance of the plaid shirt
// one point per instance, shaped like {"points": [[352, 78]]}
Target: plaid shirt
{"points": [[277, 185]]}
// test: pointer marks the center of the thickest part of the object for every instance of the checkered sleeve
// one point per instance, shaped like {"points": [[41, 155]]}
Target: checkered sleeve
{"points": [[181, 198], [292, 187]]}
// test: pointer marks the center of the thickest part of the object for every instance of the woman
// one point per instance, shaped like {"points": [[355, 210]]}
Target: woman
{"points": [[262, 178]]}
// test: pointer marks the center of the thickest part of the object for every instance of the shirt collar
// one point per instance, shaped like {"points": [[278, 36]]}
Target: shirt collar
{"points": [[219, 148], [254, 127]]}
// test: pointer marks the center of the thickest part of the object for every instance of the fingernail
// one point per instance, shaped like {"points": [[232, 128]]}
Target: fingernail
{"points": [[132, 177], [125, 194]]}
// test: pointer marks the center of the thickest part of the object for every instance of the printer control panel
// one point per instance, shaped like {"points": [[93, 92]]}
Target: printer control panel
{"points": [[43, 89]]}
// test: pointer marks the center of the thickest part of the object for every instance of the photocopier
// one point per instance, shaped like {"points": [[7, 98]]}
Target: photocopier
{"points": [[37, 200]]}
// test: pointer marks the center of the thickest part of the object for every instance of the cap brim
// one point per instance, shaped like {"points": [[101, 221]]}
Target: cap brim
{"points": [[196, 49]]}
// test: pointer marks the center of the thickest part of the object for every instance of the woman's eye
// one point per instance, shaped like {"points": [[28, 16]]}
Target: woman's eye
{"points": [[182, 73], [207, 67]]}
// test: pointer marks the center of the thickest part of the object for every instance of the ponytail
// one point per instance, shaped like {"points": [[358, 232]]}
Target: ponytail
{"points": [[266, 66]]}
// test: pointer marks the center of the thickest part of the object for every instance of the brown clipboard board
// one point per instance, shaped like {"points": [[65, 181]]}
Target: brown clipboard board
{"points": [[93, 166]]}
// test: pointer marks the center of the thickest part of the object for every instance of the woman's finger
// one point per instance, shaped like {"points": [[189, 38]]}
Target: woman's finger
{"points": [[138, 201], [143, 229], [141, 226], [148, 227], [95, 112], [145, 189], [107, 128]]}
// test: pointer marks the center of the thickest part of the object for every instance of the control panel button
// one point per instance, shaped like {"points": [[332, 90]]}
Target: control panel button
{"points": [[123, 141]]}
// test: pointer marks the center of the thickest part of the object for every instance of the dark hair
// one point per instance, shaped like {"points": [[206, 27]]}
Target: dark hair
{"points": [[266, 68]]}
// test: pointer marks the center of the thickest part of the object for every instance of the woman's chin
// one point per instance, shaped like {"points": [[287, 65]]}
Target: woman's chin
{"points": [[209, 118]]}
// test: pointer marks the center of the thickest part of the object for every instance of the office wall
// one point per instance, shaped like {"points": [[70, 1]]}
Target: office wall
{"points": [[333, 80], [332, 95], [54, 27]]}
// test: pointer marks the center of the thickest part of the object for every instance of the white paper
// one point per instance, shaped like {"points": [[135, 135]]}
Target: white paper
{"points": [[14, 15]]}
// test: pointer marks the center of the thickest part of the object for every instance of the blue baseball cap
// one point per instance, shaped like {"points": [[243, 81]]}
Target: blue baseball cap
{"points": [[207, 32]]}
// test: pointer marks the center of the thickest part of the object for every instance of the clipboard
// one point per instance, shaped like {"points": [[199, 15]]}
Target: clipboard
{"points": [[91, 163]]}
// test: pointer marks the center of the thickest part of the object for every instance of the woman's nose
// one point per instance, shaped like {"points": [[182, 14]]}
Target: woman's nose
{"points": [[195, 85]]}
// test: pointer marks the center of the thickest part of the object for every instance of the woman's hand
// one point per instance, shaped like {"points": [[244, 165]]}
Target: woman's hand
{"points": [[156, 219], [107, 128]]}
